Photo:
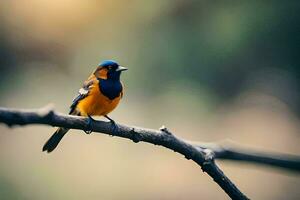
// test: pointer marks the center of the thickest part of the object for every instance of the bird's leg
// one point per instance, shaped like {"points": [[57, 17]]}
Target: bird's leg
{"points": [[114, 125], [89, 125], [110, 119]]}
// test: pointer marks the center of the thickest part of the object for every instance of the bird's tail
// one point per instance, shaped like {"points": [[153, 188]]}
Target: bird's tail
{"points": [[53, 141]]}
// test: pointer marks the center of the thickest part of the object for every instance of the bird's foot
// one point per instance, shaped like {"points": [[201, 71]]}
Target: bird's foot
{"points": [[89, 128], [115, 127]]}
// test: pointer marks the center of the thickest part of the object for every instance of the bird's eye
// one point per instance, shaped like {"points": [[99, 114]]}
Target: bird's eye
{"points": [[109, 67]]}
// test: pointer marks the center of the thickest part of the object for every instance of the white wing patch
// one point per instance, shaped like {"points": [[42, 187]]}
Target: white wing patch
{"points": [[83, 91]]}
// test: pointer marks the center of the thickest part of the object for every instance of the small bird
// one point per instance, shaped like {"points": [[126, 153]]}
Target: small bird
{"points": [[99, 95]]}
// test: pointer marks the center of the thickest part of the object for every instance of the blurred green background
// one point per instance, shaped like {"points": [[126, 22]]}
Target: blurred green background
{"points": [[208, 70]]}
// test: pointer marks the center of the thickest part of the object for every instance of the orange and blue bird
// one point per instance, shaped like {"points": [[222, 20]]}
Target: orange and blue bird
{"points": [[99, 95]]}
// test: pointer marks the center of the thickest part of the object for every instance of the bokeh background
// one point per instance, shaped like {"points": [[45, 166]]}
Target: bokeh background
{"points": [[208, 70]]}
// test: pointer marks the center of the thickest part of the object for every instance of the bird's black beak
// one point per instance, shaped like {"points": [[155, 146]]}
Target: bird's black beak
{"points": [[121, 68]]}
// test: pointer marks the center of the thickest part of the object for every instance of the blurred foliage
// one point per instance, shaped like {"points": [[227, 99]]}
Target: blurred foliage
{"points": [[218, 46]]}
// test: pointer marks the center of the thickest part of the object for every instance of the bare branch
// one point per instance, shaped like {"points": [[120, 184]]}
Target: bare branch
{"points": [[279, 160], [202, 154], [162, 137]]}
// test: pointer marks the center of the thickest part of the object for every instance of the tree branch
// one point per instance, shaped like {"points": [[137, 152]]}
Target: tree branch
{"points": [[279, 160], [204, 155]]}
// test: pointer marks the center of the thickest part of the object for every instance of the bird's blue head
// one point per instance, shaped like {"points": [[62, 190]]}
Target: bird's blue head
{"points": [[110, 70]]}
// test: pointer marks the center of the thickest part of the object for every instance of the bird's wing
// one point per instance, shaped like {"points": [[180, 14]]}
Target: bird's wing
{"points": [[122, 91], [82, 93]]}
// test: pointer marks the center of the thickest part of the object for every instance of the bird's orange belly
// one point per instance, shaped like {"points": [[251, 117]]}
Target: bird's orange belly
{"points": [[97, 104]]}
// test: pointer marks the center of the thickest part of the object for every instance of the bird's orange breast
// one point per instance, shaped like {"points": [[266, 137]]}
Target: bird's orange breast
{"points": [[96, 103]]}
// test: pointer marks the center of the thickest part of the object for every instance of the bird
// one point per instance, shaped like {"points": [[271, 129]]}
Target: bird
{"points": [[99, 95]]}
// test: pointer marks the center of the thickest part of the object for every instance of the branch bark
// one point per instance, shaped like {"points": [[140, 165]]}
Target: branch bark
{"points": [[277, 160], [204, 155]]}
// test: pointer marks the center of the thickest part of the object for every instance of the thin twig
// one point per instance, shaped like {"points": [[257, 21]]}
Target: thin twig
{"points": [[242, 154], [203, 155]]}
